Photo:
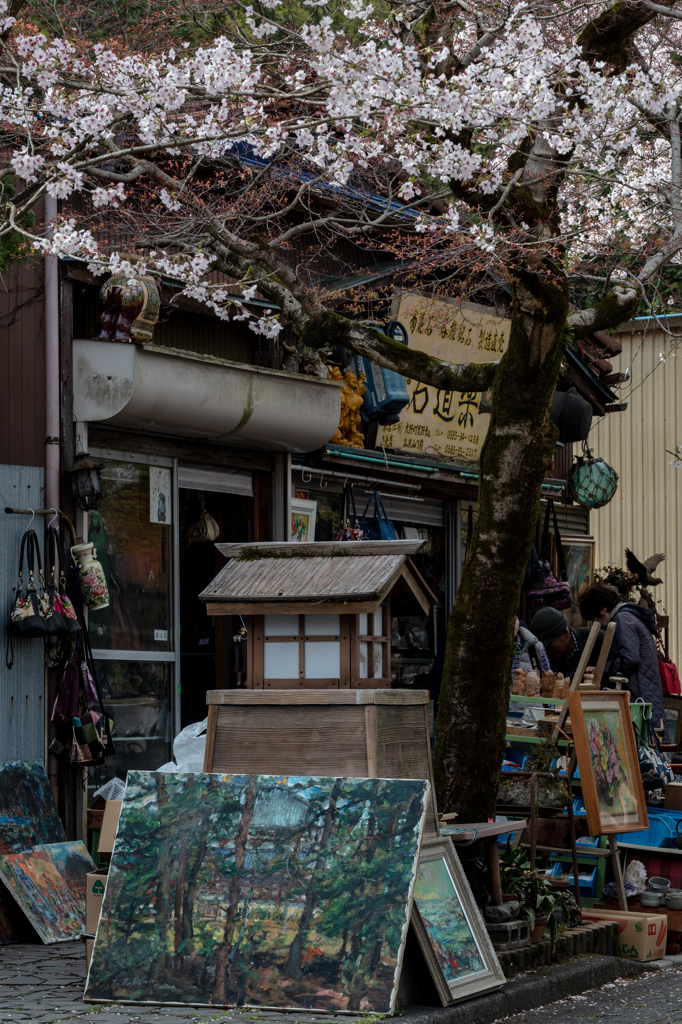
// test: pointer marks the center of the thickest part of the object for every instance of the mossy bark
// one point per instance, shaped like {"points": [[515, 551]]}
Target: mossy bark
{"points": [[519, 445]]}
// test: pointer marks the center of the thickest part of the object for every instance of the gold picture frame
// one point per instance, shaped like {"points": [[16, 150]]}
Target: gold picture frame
{"points": [[607, 760], [449, 927]]}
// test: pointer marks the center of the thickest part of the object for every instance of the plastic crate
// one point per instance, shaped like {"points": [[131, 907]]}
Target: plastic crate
{"points": [[662, 828], [586, 878]]}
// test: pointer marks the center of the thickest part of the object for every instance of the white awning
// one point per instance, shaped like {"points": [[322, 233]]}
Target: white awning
{"points": [[182, 394]]}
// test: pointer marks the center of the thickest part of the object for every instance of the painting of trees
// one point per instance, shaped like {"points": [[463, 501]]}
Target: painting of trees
{"points": [[259, 890]]}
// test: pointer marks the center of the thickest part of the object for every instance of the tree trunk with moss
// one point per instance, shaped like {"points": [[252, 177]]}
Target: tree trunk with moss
{"points": [[518, 448]]}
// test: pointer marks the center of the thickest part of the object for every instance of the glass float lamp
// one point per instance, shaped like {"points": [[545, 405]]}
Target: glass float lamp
{"points": [[85, 481], [592, 482]]}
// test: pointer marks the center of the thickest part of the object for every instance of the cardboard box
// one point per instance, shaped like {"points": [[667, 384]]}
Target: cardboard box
{"points": [[673, 796], [641, 935], [95, 817], [112, 813], [95, 884]]}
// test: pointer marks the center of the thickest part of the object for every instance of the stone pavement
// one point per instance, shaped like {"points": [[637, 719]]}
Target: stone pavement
{"points": [[44, 985]]}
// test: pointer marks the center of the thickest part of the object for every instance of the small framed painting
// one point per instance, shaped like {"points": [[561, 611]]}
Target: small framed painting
{"points": [[449, 926], [607, 758], [303, 518], [579, 555]]}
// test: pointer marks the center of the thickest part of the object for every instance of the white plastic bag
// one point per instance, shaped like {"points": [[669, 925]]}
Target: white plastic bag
{"points": [[189, 747]]}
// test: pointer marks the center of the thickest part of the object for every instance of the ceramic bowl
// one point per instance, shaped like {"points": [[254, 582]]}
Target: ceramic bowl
{"points": [[673, 899], [651, 899], [658, 884]]}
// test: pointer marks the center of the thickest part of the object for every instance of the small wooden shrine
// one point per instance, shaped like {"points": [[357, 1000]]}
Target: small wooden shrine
{"points": [[318, 615]]}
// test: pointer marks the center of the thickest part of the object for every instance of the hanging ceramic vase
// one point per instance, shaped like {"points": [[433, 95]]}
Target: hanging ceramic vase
{"points": [[131, 307], [91, 578]]}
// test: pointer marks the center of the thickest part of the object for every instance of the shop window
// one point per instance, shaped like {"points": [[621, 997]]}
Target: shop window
{"points": [[131, 532], [137, 696]]}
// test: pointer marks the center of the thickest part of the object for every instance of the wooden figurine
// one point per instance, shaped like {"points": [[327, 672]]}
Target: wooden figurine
{"points": [[547, 684], [354, 388], [560, 686], [532, 683], [519, 682]]}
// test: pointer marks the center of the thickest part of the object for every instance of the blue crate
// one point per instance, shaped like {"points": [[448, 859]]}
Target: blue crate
{"points": [[662, 828], [586, 878]]}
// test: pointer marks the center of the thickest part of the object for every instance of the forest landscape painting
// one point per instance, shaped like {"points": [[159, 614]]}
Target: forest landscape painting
{"points": [[259, 891]]}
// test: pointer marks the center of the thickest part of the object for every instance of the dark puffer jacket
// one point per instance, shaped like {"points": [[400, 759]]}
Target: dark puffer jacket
{"points": [[633, 654]]}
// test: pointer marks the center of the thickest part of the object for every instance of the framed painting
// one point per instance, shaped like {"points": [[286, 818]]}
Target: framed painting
{"points": [[259, 890], [303, 518], [673, 719], [449, 927], [579, 555], [607, 759]]}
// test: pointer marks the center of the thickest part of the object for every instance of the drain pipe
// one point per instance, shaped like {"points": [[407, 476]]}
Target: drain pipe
{"points": [[52, 372]]}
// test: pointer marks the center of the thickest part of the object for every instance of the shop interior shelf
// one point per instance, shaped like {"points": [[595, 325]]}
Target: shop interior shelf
{"points": [[517, 698], [521, 740]]}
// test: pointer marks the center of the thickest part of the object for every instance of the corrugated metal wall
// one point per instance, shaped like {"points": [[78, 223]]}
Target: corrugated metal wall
{"points": [[644, 514], [22, 688], [22, 358]]}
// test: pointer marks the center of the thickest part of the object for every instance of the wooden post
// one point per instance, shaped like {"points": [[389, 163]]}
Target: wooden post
{"points": [[575, 681], [493, 861], [618, 872], [603, 654]]}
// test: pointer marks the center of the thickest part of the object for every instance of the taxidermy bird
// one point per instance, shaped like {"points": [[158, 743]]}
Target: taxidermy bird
{"points": [[642, 571]]}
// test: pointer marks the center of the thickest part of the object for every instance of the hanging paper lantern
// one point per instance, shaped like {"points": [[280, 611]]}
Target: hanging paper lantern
{"points": [[592, 482]]}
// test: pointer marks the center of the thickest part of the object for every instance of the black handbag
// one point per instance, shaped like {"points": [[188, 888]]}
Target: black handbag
{"points": [[64, 615], [379, 527], [31, 615]]}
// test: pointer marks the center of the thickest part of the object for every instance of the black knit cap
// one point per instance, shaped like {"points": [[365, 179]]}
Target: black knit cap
{"points": [[548, 624]]}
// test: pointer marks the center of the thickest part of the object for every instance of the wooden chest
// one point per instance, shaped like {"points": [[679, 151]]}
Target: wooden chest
{"points": [[349, 733]]}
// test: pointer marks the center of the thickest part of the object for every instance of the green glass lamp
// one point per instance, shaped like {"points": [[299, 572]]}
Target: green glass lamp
{"points": [[592, 482]]}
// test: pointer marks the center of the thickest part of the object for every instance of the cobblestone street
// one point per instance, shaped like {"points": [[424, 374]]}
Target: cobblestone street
{"points": [[44, 985]]}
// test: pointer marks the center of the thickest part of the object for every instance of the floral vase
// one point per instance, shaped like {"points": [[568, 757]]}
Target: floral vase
{"points": [[91, 578], [131, 307]]}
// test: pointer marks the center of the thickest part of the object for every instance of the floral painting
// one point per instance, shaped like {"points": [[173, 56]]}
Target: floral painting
{"points": [[445, 921], [606, 741], [268, 891]]}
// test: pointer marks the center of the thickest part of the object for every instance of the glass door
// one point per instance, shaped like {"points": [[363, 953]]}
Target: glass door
{"points": [[133, 639]]}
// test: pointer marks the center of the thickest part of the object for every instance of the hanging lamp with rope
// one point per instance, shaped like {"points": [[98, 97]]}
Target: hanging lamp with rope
{"points": [[591, 481]]}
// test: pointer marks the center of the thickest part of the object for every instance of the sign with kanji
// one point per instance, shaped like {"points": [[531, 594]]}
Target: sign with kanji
{"points": [[449, 423]]}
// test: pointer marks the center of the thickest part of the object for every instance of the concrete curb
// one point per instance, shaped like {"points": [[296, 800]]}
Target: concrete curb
{"points": [[530, 991]]}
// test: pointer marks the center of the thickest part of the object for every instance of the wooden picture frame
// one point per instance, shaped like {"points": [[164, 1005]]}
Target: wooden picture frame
{"points": [[673, 718], [449, 927], [607, 758], [303, 519], [579, 555]]}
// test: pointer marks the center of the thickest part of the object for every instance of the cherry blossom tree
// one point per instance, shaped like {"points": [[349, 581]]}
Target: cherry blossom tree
{"points": [[537, 141]]}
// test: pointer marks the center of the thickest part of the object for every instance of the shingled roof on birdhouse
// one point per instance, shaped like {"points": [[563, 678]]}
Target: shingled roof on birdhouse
{"points": [[318, 614]]}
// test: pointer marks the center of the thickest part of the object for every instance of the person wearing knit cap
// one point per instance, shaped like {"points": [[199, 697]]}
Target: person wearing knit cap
{"points": [[564, 644]]}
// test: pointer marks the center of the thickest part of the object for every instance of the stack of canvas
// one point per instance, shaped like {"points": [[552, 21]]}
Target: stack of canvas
{"points": [[43, 873]]}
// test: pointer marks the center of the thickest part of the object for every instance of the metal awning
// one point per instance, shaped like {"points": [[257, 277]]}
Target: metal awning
{"points": [[316, 577], [181, 394]]}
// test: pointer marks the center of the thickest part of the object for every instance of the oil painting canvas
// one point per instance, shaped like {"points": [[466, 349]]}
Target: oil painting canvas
{"points": [[72, 861], [42, 894], [28, 813], [608, 763], [289, 892], [449, 926]]}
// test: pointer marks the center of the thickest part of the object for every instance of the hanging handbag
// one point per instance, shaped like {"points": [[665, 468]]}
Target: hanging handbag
{"points": [[379, 527], [64, 615], [653, 766], [31, 615], [670, 678], [349, 529], [553, 593]]}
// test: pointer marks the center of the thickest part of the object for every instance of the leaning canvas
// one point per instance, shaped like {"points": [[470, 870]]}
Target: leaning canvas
{"points": [[46, 899], [28, 813], [449, 926], [267, 891]]}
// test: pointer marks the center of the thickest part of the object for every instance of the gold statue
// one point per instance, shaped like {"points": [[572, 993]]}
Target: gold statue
{"points": [[351, 403]]}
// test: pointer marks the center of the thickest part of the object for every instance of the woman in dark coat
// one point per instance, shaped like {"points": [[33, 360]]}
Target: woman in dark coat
{"points": [[633, 652]]}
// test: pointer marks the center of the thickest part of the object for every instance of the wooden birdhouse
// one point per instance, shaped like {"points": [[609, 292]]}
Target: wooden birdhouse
{"points": [[318, 615]]}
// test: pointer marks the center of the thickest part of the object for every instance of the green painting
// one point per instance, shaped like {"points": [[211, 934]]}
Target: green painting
{"points": [[28, 813], [248, 890], [615, 794], [445, 921]]}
